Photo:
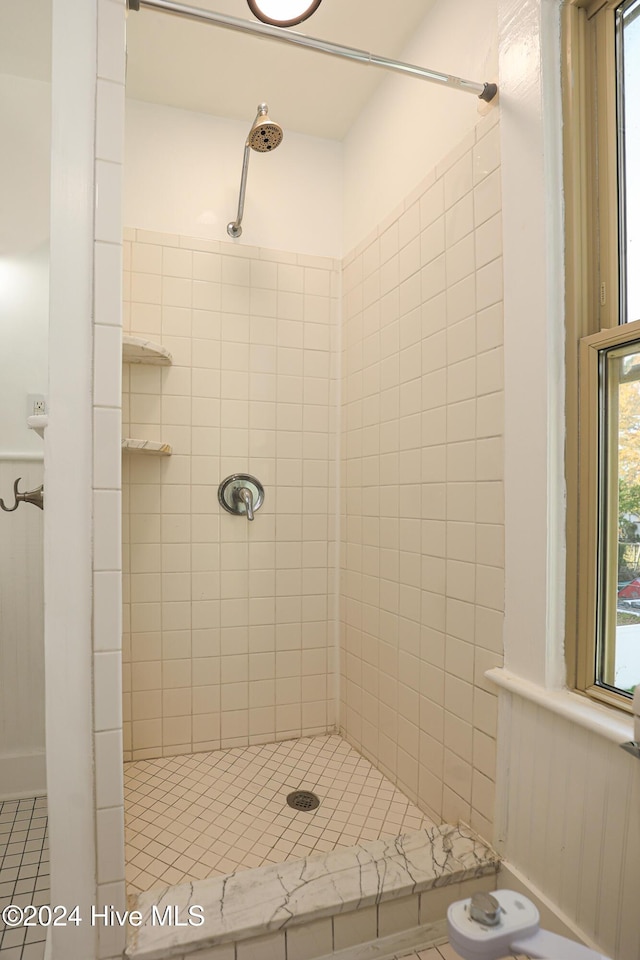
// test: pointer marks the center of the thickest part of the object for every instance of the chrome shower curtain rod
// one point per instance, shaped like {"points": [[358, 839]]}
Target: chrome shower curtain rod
{"points": [[485, 91]]}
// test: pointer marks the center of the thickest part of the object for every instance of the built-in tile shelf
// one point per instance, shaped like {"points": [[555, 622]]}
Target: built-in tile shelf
{"points": [[153, 448], [138, 350], [38, 424]]}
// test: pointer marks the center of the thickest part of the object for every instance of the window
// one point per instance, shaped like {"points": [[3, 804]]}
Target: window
{"points": [[628, 57], [602, 177]]}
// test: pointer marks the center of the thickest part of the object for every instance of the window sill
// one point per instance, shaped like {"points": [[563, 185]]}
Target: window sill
{"points": [[605, 721]]}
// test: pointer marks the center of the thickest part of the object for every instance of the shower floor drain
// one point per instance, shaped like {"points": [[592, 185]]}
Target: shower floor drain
{"points": [[303, 800]]}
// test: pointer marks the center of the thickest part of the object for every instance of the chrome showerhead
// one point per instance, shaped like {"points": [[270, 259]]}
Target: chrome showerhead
{"points": [[265, 135]]}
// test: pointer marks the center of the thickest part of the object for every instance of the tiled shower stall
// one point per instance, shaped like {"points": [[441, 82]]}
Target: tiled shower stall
{"points": [[371, 389], [303, 371], [418, 509]]}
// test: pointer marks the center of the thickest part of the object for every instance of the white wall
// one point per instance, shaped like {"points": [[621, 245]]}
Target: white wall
{"points": [[409, 125], [25, 122], [182, 176]]}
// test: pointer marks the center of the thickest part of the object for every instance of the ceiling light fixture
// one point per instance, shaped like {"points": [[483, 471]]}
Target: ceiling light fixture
{"points": [[283, 13]]}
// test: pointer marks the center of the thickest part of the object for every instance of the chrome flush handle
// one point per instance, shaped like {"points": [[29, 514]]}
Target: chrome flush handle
{"points": [[485, 909]]}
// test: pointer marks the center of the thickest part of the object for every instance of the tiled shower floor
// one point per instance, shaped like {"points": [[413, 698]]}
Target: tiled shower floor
{"points": [[24, 873], [208, 814]]}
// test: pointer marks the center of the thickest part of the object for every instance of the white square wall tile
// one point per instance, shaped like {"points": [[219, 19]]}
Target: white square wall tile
{"points": [[107, 525], [226, 951], [110, 121], [489, 288], [487, 198], [111, 39], [109, 776], [359, 926], [110, 830], [394, 916], [107, 297], [107, 366], [107, 448], [271, 947], [435, 903], [111, 939], [489, 240], [107, 610], [458, 180], [486, 154], [108, 222], [310, 940], [107, 691], [114, 893]]}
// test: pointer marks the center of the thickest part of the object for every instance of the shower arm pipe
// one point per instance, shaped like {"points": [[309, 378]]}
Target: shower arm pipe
{"points": [[485, 91], [234, 229]]}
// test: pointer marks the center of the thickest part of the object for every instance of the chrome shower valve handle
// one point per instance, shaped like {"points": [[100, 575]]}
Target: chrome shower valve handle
{"points": [[241, 494], [244, 495]]}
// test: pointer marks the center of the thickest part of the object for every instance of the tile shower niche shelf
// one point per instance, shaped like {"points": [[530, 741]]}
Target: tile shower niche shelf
{"points": [[138, 350], [153, 448]]}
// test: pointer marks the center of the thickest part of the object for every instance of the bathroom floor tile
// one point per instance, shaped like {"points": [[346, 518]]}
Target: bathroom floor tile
{"points": [[24, 872], [445, 952], [207, 814]]}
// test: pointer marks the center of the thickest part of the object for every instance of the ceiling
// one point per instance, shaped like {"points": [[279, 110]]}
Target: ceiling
{"points": [[196, 66], [200, 67]]}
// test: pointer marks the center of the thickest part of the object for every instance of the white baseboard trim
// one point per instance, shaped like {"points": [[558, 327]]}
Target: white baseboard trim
{"points": [[551, 917], [22, 775]]}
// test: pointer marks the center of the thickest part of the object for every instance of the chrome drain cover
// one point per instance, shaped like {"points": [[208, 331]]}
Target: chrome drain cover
{"points": [[303, 800]]}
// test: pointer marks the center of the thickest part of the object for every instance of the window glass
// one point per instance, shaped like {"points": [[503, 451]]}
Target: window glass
{"points": [[628, 54], [618, 647]]}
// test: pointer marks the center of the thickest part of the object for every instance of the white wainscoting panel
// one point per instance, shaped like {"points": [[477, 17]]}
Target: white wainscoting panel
{"points": [[568, 818], [22, 767]]}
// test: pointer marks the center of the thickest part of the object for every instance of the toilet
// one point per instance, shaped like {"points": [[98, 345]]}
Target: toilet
{"points": [[488, 926]]}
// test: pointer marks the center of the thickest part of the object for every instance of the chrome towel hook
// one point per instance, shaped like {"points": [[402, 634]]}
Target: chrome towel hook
{"points": [[36, 497]]}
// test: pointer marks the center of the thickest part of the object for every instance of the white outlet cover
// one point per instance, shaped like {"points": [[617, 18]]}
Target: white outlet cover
{"points": [[36, 404]]}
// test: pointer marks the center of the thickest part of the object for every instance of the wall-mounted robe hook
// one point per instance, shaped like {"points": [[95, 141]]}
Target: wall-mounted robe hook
{"points": [[36, 497]]}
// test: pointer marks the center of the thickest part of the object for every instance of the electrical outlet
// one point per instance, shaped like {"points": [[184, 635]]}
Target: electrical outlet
{"points": [[36, 405]]}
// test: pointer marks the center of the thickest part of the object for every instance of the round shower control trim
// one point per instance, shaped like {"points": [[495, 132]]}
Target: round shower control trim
{"points": [[241, 494]]}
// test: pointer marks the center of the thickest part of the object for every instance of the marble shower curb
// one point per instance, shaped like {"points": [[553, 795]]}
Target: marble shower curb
{"points": [[271, 899]]}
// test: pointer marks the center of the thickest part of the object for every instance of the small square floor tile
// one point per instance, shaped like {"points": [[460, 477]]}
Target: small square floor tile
{"points": [[208, 814]]}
